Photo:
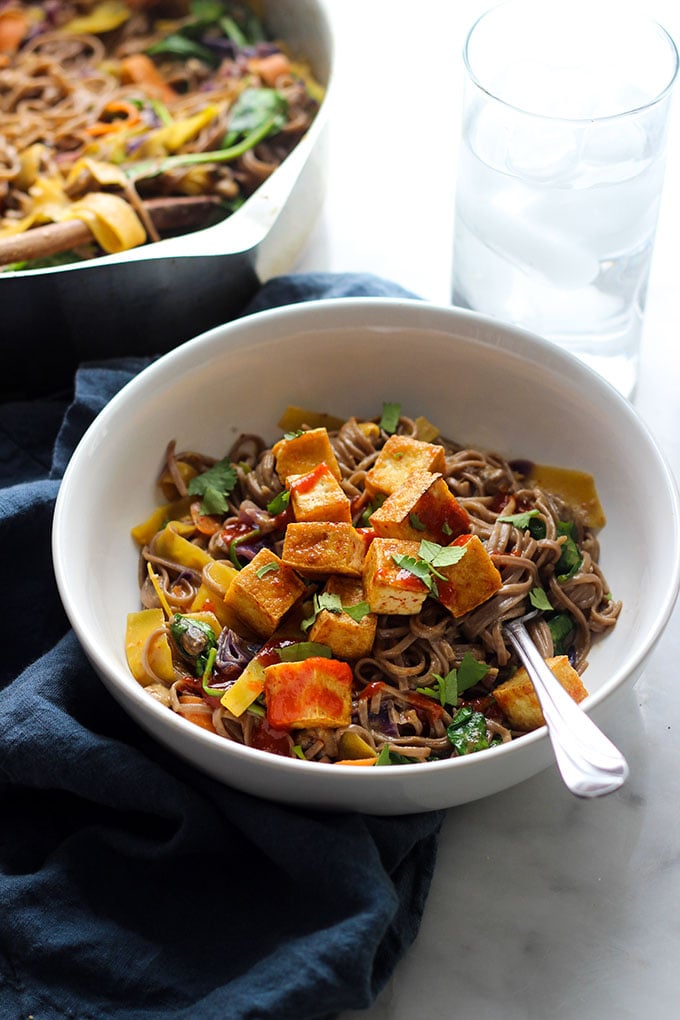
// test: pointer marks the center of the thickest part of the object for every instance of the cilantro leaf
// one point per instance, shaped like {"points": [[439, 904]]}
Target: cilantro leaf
{"points": [[304, 650], [570, 559], [357, 611], [520, 520], [387, 757], [391, 414], [561, 627], [415, 522], [214, 485], [470, 672], [539, 599], [419, 568], [448, 687], [440, 555], [279, 503]]}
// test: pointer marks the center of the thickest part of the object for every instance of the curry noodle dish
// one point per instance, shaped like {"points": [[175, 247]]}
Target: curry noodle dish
{"points": [[340, 596]]}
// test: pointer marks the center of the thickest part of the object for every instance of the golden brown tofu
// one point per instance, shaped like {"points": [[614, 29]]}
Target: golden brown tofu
{"points": [[398, 459], [517, 697], [263, 592], [301, 454], [314, 692], [346, 638], [316, 548], [471, 581], [318, 496], [423, 507], [390, 588]]}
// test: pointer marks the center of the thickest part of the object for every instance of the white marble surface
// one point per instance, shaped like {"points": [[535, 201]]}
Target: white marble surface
{"points": [[542, 906]]}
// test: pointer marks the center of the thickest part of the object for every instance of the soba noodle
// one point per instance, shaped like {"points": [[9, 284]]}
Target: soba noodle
{"points": [[396, 716], [151, 99]]}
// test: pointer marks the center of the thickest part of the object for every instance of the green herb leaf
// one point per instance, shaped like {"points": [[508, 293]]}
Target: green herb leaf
{"points": [[537, 528], [298, 752], [419, 568], [470, 672], [179, 45], [448, 687], [416, 522], [440, 555], [570, 559], [358, 611], [214, 485], [387, 757], [279, 503], [539, 599], [391, 413], [520, 520], [562, 629], [304, 650], [371, 508], [253, 109]]}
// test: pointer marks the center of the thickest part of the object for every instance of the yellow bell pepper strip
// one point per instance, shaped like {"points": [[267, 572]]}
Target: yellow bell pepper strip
{"points": [[159, 591], [104, 17], [140, 627], [171, 545], [174, 511]]}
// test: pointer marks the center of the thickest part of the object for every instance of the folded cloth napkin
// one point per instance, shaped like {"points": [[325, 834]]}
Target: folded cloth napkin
{"points": [[131, 885]]}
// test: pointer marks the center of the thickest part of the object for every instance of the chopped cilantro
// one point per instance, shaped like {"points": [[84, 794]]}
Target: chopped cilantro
{"points": [[446, 528], [357, 611], [470, 672], [430, 556], [214, 485], [387, 757], [372, 507], [570, 559], [561, 627], [298, 752], [391, 414], [294, 434], [416, 522], [279, 503], [304, 650], [539, 599], [520, 520]]}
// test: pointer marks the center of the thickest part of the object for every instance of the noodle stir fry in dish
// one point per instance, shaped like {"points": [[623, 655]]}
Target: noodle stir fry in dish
{"points": [[124, 122], [340, 596]]}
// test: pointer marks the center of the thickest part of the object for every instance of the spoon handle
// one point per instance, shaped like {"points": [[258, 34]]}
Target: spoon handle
{"points": [[589, 763]]}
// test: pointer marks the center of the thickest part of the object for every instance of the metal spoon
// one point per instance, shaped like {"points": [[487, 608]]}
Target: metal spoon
{"points": [[589, 763]]}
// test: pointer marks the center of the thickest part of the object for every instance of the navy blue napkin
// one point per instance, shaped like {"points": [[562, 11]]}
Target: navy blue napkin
{"points": [[131, 885]]}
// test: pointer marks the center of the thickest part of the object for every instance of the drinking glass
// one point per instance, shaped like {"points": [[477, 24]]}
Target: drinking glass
{"points": [[561, 167]]}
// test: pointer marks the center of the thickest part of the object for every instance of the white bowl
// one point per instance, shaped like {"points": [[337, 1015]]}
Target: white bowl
{"points": [[481, 383]]}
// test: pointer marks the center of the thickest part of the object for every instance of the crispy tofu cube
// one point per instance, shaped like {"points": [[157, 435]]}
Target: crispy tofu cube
{"points": [[313, 692], [301, 454], [318, 496], [398, 459], [263, 592], [315, 548], [346, 638], [390, 588], [471, 581], [519, 702], [423, 507]]}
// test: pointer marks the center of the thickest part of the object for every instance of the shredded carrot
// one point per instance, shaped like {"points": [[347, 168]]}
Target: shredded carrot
{"points": [[13, 28], [140, 69], [269, 68], [205, 523], [159, 591], [105, 127]]}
